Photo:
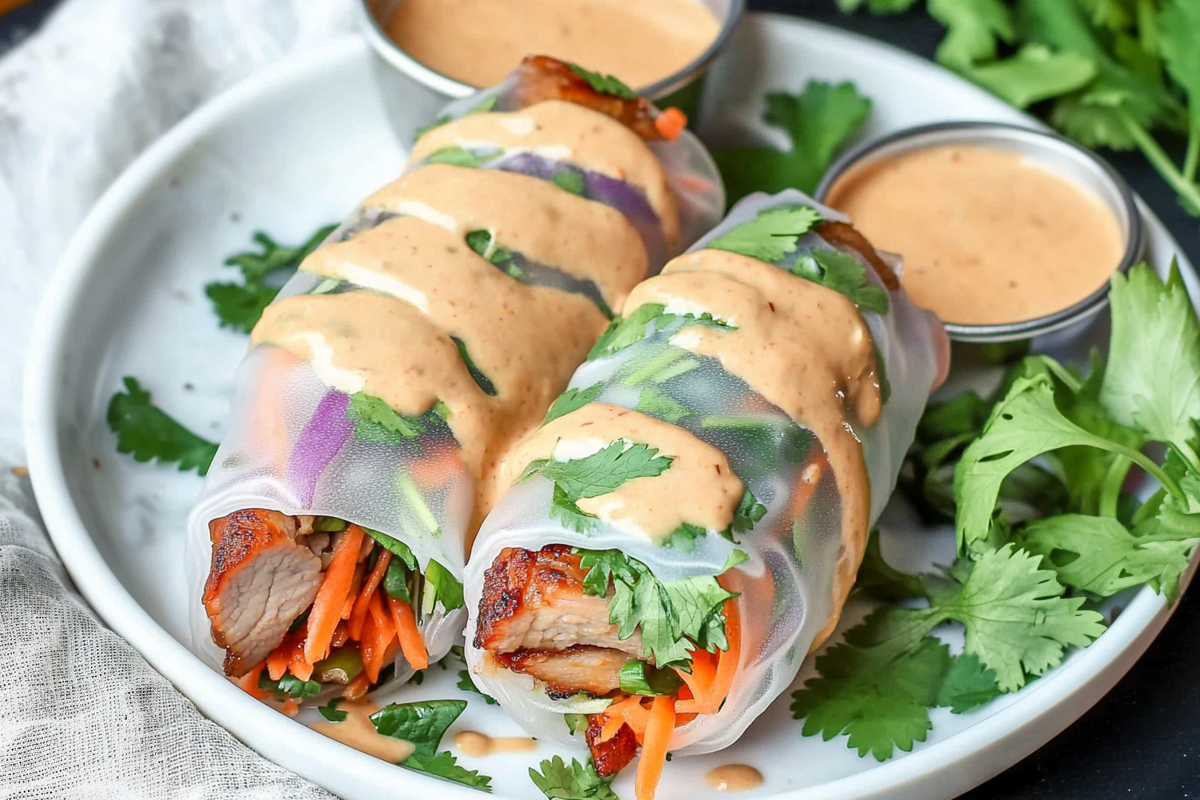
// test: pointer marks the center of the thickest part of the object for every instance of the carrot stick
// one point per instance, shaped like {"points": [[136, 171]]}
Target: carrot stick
{"points": [[298, 666], [290, 707], [727, 662], [378, 633], [377, 611], [411, 643], [277, 662], [323, 618], [340, 634], [654, 747], [670, 123], [249, 683], [359, 612], [625, 712], [435, 468], [357, 688]]}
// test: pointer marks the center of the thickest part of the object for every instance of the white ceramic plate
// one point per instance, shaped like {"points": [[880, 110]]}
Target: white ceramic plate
{"points": [[292, 149]]}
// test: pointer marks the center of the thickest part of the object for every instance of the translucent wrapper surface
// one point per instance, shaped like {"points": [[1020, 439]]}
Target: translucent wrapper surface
{"points": [[787, 591]]}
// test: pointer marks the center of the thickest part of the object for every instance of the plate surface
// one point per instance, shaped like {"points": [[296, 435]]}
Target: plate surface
{"points": [[296, 147]]}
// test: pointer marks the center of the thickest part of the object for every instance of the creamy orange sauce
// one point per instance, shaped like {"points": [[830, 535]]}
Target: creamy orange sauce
{"points": [[359, 732], [580, 237], [479, 41], [987, 235], [698, 487], [566, 132], [734, 778], [478, 745]]}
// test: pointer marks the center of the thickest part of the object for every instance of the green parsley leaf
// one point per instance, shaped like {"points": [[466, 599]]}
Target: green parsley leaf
{"points": [[445, 765], [376, 421], [569, 180], [604, 84], [467, 684], [1179, 31], [771, 235], [606, 470], [331, 713], [481, 380], [240, 306], [640, 678], [630, 329], [972, 28], [878, 696], [878, 579], [1152, 381], [395, 581], [394, 546], [657, 403], [148, 433], [573, 400], [818, 121], [842, 273], [423, 723], [483, 243], [575, 782], [1034, 74], [684, 537], [748, 512], [967, 685], [566, 511]]}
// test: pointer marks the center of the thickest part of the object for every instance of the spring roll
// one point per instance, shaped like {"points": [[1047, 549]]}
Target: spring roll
{"points": [[687, 523], [408, 354]]}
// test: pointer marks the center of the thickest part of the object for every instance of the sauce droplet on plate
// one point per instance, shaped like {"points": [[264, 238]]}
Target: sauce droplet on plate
{"points": [[734, 778], [477, 745]]}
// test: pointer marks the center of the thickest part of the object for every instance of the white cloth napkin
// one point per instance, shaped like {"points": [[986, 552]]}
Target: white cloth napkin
{"points": [[82, 715]]}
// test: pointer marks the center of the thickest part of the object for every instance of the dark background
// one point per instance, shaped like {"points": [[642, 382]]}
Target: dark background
{"points": [[1142, 741]]}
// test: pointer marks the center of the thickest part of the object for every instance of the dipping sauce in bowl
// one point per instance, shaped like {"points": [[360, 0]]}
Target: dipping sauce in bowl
{"points": [[1006, 233], [479, 41]]}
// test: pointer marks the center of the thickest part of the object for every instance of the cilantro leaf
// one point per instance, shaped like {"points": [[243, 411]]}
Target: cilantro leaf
{"points": [[573, 400], [148, 433], [748, 512], [1035, 73], [842, 273], [577, 781], [467, 684], [604, 471], [483, 243], [444, 588], [460, 157], [967, 685], [878, 696], [640, 678], [684, 537], [604, 84], [376, 421], [569, 180], [771, 235], [423, 723], [878, 579], [572, 517], [1152, 381], [445, 765], [630, 329], [331, 713], [972, 28], [1179, 30], [818, 121], [657, 403], [239, 306], [394, 546]]}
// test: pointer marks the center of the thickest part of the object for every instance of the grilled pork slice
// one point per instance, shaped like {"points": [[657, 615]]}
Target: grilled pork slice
{"points": [[614, 755], [595, 670], [535, 601], [260, 580]]}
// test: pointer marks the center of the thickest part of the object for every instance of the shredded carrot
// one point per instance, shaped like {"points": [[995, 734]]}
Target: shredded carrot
{"points": [[376, 609], [298, 666], [249, 683], [409, 635], [290, 707], [378, 633], [340, 634], [629, 711], [281, 656], [654, 747], [357, 688], [806, 481], [727, 662], [670, 123], [359, 612], [323, 618], [433, 469]]}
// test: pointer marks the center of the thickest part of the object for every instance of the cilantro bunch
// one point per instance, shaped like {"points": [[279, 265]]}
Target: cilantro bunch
{"points": [[1041, 479], [1121, 74]]}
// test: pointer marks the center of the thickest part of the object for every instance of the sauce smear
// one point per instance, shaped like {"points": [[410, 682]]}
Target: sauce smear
{"points": [[734, 778], [477, 745], [479, 41], [987, 236], [359, 732]]}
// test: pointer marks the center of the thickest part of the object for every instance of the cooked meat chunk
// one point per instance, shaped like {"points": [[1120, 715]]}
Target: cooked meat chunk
{"points": [[260, 580], [840, 233], [536, 601], [596, 670], [544, 78], [614, 755]]}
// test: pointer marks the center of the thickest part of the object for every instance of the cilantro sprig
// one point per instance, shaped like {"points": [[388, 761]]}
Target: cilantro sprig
{"points": [[770, 236], [817, 121], [561, 781], [604, 84], [240, 305], [148, 433], [423, 724]]}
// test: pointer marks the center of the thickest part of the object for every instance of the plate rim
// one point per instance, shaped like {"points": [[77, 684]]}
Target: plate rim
{"points": [[1103, 663]]}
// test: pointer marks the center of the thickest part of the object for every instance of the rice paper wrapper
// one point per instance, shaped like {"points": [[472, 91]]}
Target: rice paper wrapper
{"points": [[786, 585], [691, 173]]}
